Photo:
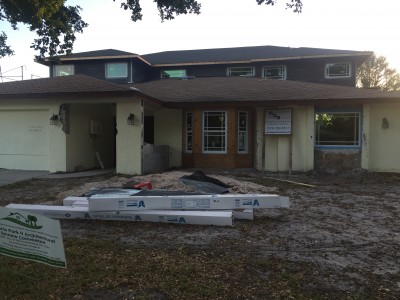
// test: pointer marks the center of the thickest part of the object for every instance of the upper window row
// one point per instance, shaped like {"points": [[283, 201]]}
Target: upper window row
{"points": [[120, 70], [332, 70], [273, 72], [112, 70]]}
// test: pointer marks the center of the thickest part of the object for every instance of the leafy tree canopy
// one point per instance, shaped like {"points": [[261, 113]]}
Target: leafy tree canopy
{"points": [[376, 73], [56, 24]]}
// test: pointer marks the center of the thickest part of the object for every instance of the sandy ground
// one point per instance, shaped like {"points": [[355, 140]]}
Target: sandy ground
{"points": [[346, 228]]}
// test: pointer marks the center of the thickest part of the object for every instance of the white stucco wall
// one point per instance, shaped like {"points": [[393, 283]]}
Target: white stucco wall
{"points": [[303, 119], [168, 131], [129, 138], [381, 147], [280, 153], [82, 145]]}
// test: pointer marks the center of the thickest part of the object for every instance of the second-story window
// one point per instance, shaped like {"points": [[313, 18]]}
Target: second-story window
{"points": [[173, 73], [63, 70], [337, 70], [240, 71], [274, 72], [116, 70]]}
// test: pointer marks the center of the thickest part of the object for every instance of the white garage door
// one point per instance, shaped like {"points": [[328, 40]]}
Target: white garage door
{"points": [[24, 139]]}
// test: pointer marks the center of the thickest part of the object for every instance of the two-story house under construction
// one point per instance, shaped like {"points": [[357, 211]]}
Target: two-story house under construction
{"points": [[276, 109]]}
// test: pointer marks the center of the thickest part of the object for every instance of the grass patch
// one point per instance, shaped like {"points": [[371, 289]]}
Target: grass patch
{"points": [[182, 273]]}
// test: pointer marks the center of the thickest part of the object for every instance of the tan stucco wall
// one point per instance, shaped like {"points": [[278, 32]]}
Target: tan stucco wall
{"points": [[81, 145], [381, 147], [273, 151], [129, 138], [168, 131]]}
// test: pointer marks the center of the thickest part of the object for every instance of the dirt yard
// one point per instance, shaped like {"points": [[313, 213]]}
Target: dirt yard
{"points": [[340, 236]]}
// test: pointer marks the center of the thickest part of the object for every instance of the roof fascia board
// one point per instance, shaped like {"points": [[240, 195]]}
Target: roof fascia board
{"points": [[96, 57], [47, 61], [264, 59], [78, 96], [280, 103]]}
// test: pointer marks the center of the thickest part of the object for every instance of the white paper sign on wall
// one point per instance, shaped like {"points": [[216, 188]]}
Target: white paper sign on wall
{"points": [[278, 121]]}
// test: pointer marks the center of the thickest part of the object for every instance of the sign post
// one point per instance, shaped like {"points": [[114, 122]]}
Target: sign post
{"points": [[31, 236]]}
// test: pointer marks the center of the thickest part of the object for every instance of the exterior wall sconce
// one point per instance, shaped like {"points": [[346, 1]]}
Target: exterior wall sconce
{"points": [[53, 119], [131, 119], [385, 123]]}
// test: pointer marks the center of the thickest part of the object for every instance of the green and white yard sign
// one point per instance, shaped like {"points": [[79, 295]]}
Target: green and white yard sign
{"points": [[31, 236]]}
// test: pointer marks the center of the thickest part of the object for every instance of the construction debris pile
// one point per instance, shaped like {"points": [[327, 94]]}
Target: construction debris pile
{"points": [[138, 201]]}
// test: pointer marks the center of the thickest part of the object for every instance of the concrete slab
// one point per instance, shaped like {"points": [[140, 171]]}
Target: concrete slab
{"points": [[12, 176], [87, 173]]}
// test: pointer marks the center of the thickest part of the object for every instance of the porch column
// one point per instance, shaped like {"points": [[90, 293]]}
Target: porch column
{"points": [[57, 143], [365, 137], [310, 138], [129, 139], [259, 139]]}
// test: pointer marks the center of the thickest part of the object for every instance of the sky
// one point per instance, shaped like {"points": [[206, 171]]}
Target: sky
{"points": [[362, 25]]}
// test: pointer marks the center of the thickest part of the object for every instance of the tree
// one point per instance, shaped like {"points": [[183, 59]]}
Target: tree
{"points": [[56, 23], [296, 5], [4, 48], [375, 73]]}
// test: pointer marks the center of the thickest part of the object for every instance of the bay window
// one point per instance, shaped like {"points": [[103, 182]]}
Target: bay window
{"points": [[214, 132]]}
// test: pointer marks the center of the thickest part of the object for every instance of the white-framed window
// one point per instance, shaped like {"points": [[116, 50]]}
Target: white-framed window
{"points": [[337, 129], [63, 70], [189, 132], [240, 71], [173, 73], [214, 132], [274, 72], [117, 70], [338, 70], [243, 128]]}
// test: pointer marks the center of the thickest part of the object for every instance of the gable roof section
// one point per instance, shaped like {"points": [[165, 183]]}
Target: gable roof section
{"points": [[66, 86], [92, 55], [247, 91], [243, 54]]}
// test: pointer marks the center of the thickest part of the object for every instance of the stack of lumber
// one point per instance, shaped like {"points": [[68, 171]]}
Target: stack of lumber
{"points": [[129, 205], [138, 202]]}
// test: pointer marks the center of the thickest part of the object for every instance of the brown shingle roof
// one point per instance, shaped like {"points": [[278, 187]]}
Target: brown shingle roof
{"points": [[247, 90], [215, 90], [65, 85]]}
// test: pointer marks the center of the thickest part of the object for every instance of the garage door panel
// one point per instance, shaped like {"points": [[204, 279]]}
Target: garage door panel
{"points": [[24, 147], [24, 139]]}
